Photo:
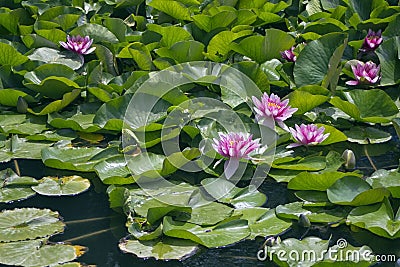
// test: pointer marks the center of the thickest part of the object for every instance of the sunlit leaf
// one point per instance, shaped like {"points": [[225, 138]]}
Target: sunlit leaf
{"points": [[65, 186], [165, 249], [389, 179], [10, 56], [378, 219], [222, 234], [312, 63], [14, 187], [354, 191], [50, 55], [172, 8], [37, 253], [96, 32], [372, 105], [28, 223]]}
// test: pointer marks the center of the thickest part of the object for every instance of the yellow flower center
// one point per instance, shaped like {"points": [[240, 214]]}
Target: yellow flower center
{"points": [[272, 104], [231, 143]]}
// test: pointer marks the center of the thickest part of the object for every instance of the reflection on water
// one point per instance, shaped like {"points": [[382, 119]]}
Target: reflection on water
{"points": [[91, 223]]}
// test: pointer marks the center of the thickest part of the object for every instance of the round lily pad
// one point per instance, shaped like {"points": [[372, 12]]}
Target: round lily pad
{"points": [[69, 185], [37, 253], [14, 187], [28, 223], [165, 249], [366, 135]]}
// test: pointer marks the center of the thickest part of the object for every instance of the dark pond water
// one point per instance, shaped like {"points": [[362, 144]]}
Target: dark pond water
{"points": [[92, 224]]}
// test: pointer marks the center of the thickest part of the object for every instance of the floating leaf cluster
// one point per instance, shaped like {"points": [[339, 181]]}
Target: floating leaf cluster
{"points": [[336, 63]]}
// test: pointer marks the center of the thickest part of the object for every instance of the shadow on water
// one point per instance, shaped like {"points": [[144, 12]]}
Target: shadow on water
{"points": [[91, 223]]}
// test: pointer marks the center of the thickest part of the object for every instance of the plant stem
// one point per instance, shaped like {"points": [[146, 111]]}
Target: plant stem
{"points": [[17, 170], [369, 158], [89, 235], [88, 220]]}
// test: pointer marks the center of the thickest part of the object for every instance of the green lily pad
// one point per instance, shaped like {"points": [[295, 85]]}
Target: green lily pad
{"points": [[173, 8], [372, 105], [9, 97], [111, 114], [314, 214], [97, 32], [209, 214], [139, 53], [47, 86], [59, 135], [226, 192], [154, 204], [378, 219], [21, 148], [354, 191], [220, 45], [80, 120], [38, 252], [10, 56], [335, 136], [283, 176], [22, 124], [114, 171], [77, 159], [312, 163], [165, 249], [57, 105], [176, 160], [65, 186], [220, 19], [146, 164], [305, 101], [312, 64], [170, 34], [14, 187], [388, 53], [389, 179], [316, 181], [224, 233], [184, 51], [263, 222], [50, 55], [313, 198], [136, 229], [29, 223], [367, 135], [48, 70], [264, 48]]}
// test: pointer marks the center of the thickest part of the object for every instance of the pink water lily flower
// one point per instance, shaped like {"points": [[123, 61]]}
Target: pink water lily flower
{"points": [[365, 73], [234, 146], [306, 135], [78, 44], [372, 40], [272, 108], [289, 55]]}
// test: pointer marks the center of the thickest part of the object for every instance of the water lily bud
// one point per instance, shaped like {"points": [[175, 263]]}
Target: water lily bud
{"points": [[304, 221], [350, 159], [22, 106]]}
